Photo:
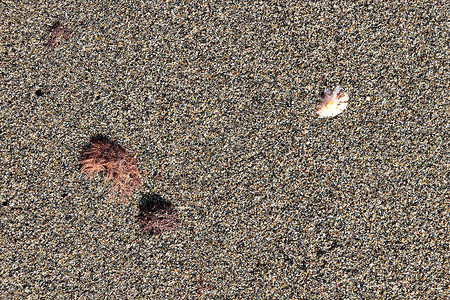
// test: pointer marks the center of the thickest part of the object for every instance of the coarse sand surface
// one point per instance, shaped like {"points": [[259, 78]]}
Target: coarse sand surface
{"points": [[217, 99]]}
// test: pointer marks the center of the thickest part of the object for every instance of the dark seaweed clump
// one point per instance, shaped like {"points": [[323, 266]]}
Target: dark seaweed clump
{"points": [[157, 215]]}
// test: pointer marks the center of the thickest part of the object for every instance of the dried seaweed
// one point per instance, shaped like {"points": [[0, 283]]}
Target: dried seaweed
{"points": [[117, 165], [157, 215]]}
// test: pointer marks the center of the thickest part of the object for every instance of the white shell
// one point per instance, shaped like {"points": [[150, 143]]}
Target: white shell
{"points": [[332, 104]]}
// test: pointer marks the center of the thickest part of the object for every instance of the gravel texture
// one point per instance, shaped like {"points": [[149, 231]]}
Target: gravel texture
{"points": [[218, 100]]}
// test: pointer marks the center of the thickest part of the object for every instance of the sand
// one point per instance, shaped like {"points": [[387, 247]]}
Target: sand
{"points": [[218, 100]]}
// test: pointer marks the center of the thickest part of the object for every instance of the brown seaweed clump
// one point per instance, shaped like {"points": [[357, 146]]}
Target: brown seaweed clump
{"points": [[57, 30], [157, 215], [113, 161]]}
